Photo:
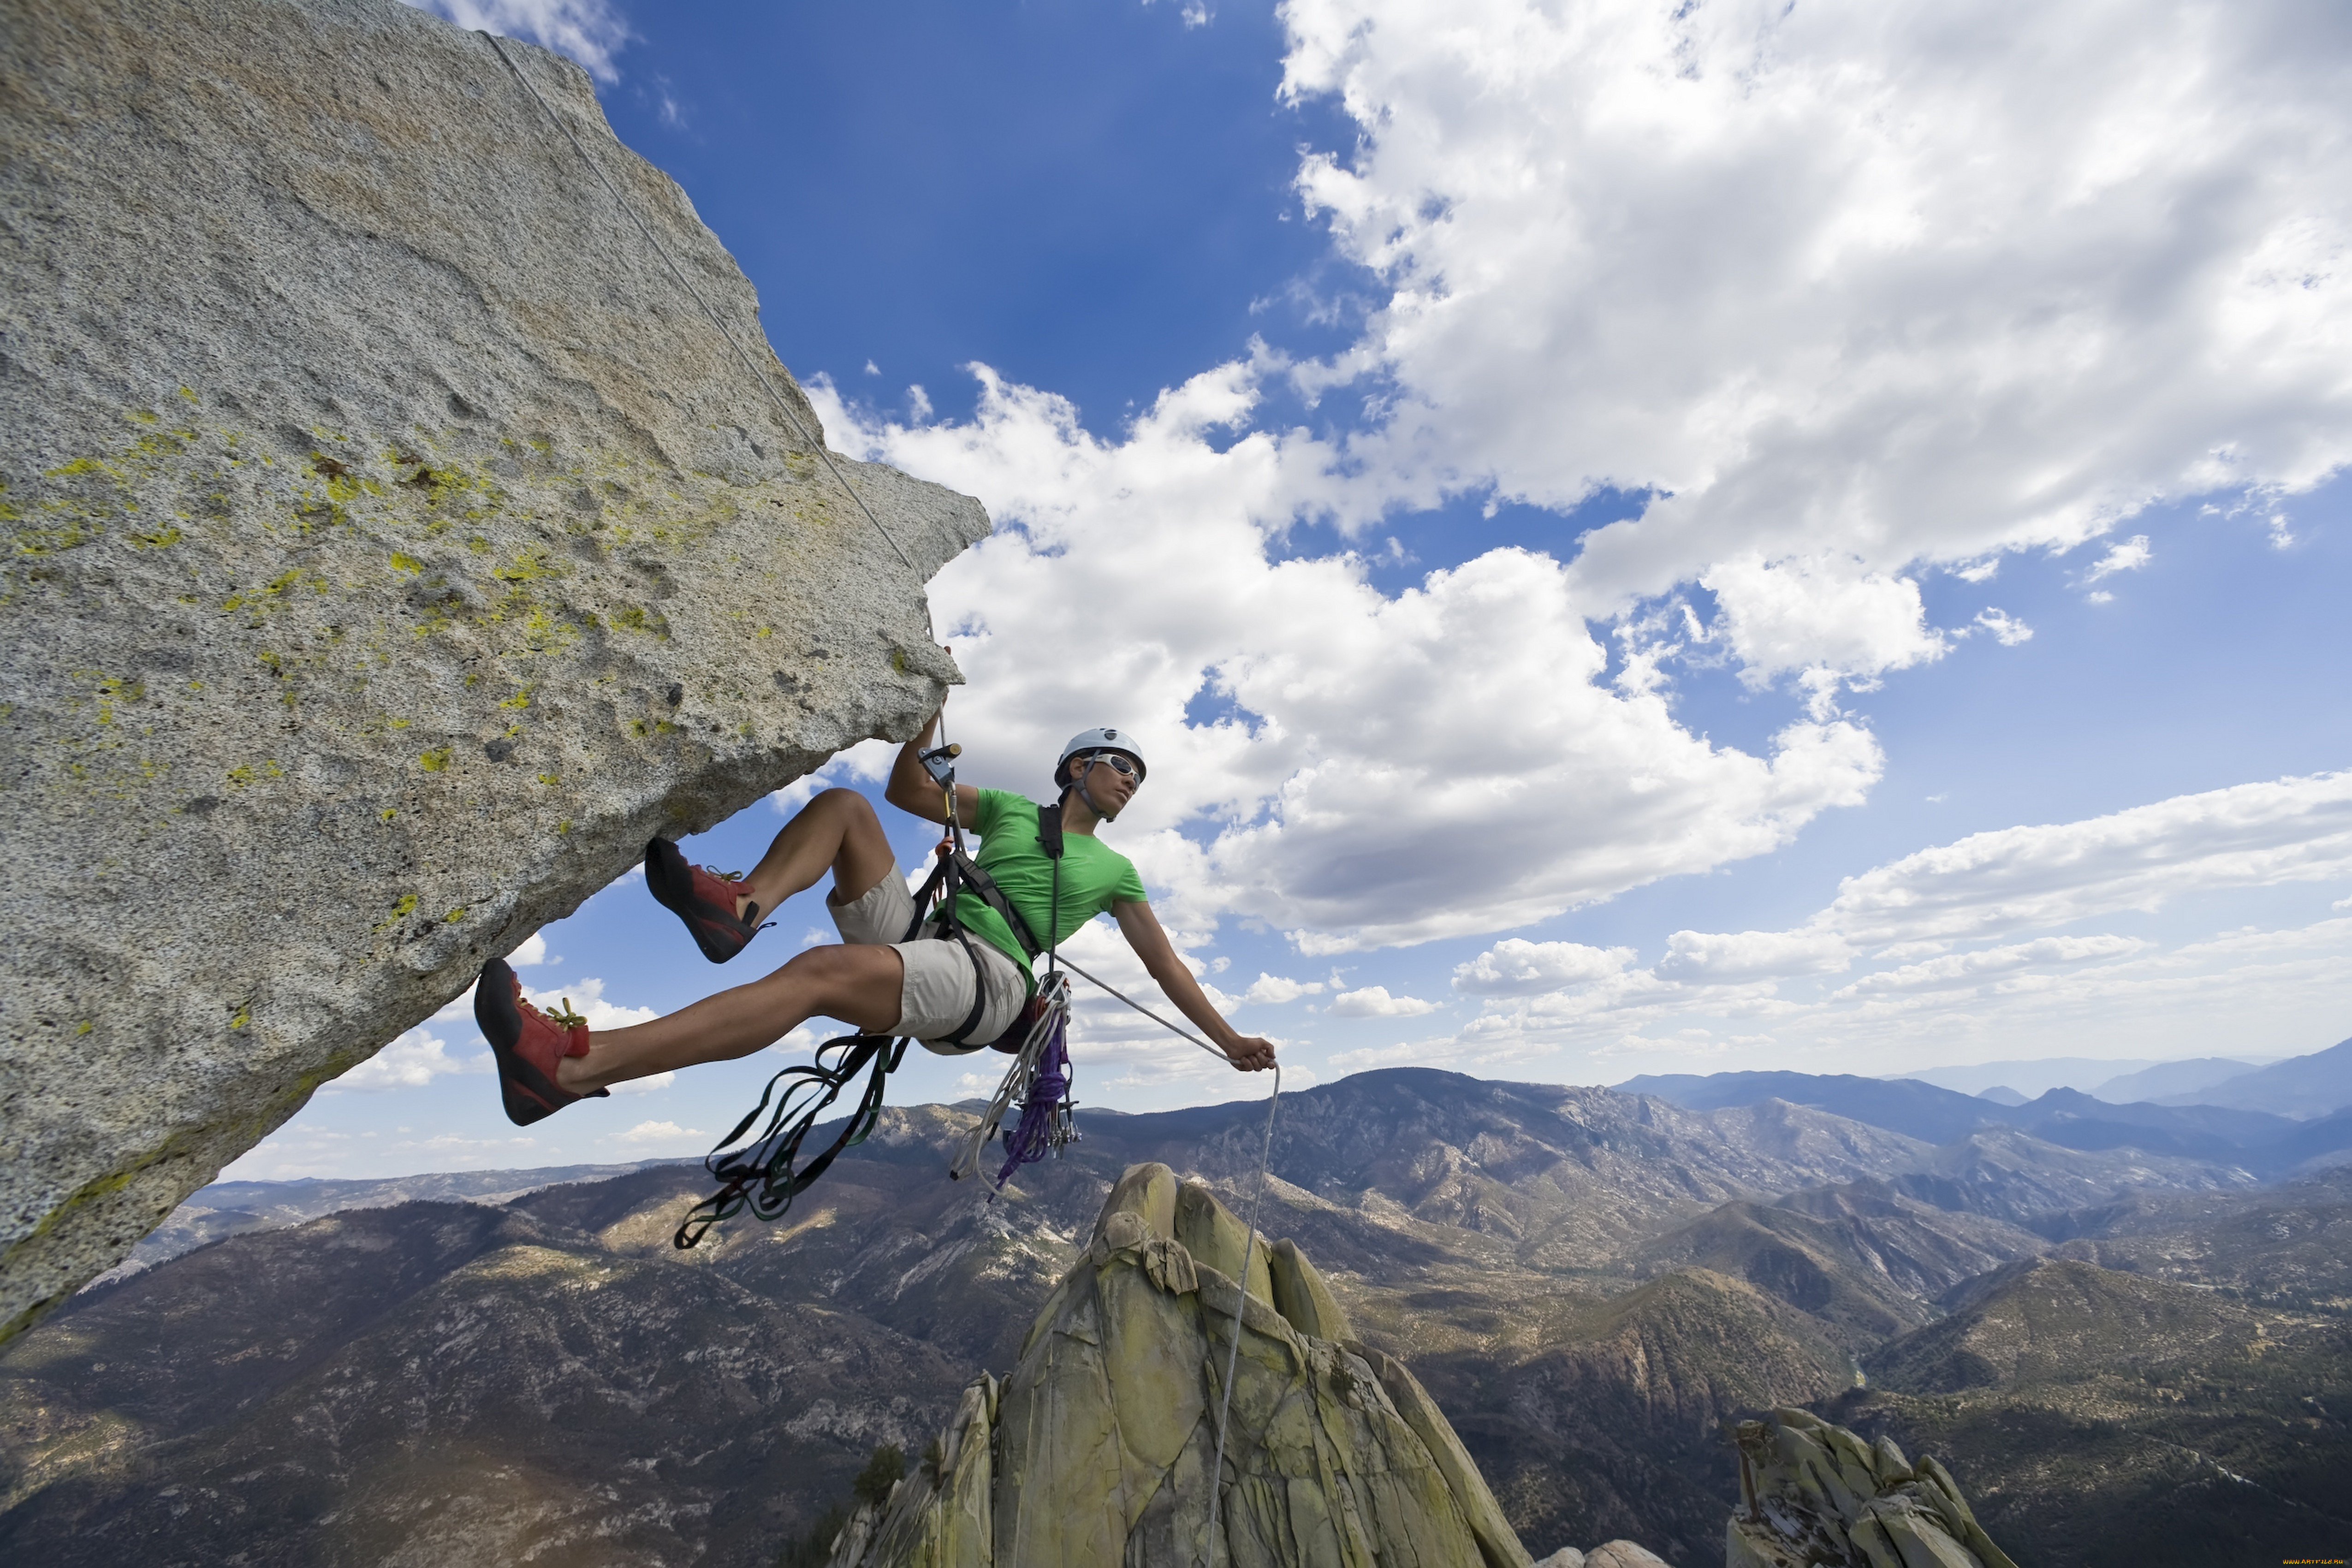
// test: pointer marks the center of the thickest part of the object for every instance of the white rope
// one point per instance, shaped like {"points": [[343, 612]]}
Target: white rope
{"points": [[757, 374], [1266, 1161], [1057, 992]]}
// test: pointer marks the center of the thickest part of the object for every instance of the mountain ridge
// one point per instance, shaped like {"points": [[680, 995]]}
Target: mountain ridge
{"points": [[1588, 1283], [2300, 1087]]}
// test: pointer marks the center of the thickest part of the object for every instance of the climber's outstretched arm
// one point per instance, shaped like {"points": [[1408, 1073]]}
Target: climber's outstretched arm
{"points": [[1248, 1053]]}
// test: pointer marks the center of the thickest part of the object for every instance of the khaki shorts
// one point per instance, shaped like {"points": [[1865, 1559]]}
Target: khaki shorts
{"points": [[938, 991]]}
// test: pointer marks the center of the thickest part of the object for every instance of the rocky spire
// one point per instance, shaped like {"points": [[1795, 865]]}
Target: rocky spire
{"points": [[1096, 1448], [1810, 1492]]}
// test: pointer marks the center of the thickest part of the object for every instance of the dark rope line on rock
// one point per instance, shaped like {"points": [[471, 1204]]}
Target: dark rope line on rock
{"points": [[757, 374], [1249, 1245], [1234, 1355]]}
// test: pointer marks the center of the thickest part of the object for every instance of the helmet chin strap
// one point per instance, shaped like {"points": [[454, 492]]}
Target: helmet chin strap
{"points": [[1087, 795]]}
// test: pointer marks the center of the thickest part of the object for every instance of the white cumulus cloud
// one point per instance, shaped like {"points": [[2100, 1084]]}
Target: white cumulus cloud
{"points": [[1921, 916], [1374, 1002], [591, 31], [1968, 968], [410, 1061], [2253, 835], [1276, 988], [1390, 770], [659, 1080], [1840, 281], [1731, 957], [1517, 967], [2129, 556], [2006, 629], [650, 1137]]}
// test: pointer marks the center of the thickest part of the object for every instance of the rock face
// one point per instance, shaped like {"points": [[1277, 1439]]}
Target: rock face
{"points": [[1810, 1492], [1608, 1554], [1099, 1446], [394, 546]]}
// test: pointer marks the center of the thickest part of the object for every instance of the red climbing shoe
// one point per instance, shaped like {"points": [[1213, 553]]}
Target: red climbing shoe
{"points": [[529, 1045], [703, 900]]}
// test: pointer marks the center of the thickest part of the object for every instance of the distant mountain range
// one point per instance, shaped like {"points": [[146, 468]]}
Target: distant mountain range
{"points": [[1589, 1282], [2305, 1087], [2314, 1086], [2167, 1078], [2221, 1124]]}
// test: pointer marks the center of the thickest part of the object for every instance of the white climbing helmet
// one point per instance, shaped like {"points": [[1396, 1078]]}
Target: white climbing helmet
{"points": [[1088, 742]]}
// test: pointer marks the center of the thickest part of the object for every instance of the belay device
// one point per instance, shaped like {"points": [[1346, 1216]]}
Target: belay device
{"points": [[766, 1175]]}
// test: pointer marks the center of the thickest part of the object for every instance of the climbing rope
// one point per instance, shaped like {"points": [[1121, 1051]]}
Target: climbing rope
{"points": [[757, 374], [1265, 1161], [1241, 1286]]}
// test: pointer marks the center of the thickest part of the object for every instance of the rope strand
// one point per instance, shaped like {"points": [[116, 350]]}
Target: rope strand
{"points": [[757, 374], [1265, 1163]]}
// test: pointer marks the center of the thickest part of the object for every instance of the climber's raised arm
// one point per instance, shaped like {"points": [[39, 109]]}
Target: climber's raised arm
{"points": [[911, 789], [1248, 1053]]}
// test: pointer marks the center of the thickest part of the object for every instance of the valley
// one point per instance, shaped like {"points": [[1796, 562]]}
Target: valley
{"points": [[1591, 1283]]}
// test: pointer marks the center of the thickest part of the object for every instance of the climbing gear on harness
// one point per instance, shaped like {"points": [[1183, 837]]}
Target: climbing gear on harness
{"points": [[1039, 1081], [1039, 1077], [1096, 740], [528, 1044], [703, 898], [782, 407]]}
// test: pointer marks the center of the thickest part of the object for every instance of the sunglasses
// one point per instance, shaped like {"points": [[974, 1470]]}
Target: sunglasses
{"points": [[1118, 765]]}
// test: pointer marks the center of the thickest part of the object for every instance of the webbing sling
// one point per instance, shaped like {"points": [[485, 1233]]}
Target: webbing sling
{"points": [[983, 886], [765, 1176]]}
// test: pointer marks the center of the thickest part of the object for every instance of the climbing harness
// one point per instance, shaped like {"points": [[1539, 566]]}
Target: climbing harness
{"points": [[1039, 1077], [757, 374]]}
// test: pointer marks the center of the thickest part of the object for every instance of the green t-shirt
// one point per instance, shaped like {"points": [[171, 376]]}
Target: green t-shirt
{"points": [[1093, 876]]}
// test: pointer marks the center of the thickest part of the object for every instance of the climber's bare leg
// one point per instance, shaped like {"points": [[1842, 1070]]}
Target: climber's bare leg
{"points": [[857, 984], [837, 832]]}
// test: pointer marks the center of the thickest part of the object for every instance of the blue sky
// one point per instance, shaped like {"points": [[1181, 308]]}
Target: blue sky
{"points": [[1642, 539]]}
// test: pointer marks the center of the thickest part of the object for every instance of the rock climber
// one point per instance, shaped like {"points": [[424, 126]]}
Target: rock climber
{"points": [[954, 996]]}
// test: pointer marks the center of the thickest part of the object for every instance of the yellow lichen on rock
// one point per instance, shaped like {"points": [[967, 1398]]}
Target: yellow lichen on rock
{"points": [[1215, 1238], [1100, 1447], [1301, 1296], [444, 589]]}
